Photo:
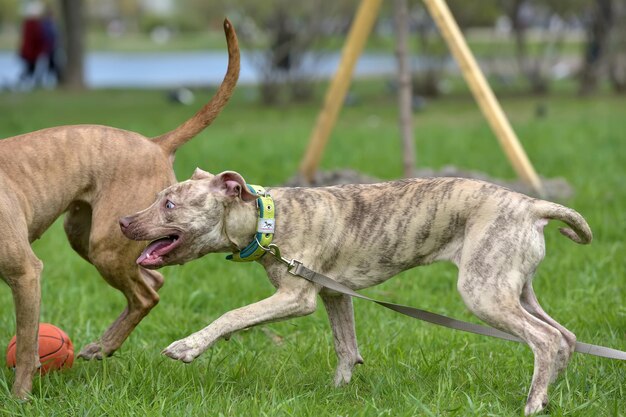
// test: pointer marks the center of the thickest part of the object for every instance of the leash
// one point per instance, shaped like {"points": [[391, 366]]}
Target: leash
{"points": [[296, 268], [262, 244]]}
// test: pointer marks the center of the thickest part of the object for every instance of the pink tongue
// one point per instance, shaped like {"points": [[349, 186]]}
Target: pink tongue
{"points": [[154, 247]]}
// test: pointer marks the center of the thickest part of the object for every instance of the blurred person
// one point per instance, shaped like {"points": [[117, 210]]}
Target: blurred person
{"points": [[32, 44], [50, 44]]}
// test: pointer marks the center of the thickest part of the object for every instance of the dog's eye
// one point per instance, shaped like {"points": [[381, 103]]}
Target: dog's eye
{"points": [[169, 205]]}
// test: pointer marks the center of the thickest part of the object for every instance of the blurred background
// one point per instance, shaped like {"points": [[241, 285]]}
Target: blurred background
{"points": [[523, 46]]}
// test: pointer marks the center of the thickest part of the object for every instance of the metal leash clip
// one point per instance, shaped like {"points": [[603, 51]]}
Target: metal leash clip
{"points": [[274, 250]]}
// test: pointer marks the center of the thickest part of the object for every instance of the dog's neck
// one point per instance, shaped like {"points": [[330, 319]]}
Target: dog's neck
{"points": [[240, 223]]}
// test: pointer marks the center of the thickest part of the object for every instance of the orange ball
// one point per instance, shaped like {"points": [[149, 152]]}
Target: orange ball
{"points": [[56, 350]]}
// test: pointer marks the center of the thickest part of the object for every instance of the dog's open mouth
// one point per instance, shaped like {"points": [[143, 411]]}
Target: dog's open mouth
{"points": [[153, 254]]}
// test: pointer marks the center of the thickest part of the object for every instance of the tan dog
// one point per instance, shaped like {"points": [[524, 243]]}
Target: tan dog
{"points": [[361, 235], [95, 174]]}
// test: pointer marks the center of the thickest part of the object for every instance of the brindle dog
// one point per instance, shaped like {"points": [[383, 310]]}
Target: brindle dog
{"points": [[95, 174], [361, 235]]}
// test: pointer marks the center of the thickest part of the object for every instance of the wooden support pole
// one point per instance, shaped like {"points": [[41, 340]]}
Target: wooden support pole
{"points": [[483, 94], [335, 96], [405, 87]]}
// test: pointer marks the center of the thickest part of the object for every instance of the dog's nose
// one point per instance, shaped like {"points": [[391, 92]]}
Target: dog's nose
{"points": [[124, 223]]}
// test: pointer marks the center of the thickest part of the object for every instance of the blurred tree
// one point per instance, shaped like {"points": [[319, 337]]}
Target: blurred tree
{"points": [[288, 32], [599, 22], [617, 49], [9, 11], [432, 48], [72, 77], [468, 16], [549, 16]]}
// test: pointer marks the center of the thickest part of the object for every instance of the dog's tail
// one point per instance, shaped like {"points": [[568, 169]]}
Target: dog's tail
{"points": [[580, 231], [172, 140]]}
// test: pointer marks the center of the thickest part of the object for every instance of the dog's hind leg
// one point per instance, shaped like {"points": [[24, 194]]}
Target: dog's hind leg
{"points": [[568, 339], [21, 269], [139, 287], [341, 317], [496, 300], [114, 257]]}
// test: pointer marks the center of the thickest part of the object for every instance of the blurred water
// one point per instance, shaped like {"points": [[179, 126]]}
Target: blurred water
{"points": [[196, 68]]}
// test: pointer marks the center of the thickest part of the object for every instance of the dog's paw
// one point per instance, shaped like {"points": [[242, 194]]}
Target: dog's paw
{"points": [[535, 405], [184, 350], [91, 351], [343, 375], [21, 390]]}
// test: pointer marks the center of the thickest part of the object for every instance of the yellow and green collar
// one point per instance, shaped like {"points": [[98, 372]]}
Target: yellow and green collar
{"points": [[265, 228]]}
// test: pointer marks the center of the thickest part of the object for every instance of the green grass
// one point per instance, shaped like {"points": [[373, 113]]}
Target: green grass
{"points": [[411, 368]]}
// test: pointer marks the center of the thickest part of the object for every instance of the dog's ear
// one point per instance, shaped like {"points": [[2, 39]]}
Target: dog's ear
{"points": [[199, 174], [233, 185]]}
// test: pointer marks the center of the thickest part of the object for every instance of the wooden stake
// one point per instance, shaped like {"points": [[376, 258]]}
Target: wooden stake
{"points": [[483, 94], [335, 96]]}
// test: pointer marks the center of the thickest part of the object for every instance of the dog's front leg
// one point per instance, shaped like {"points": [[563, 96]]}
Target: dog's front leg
{"points": [[24, 279], [341, 317], [140, 287], [294, 300]]}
